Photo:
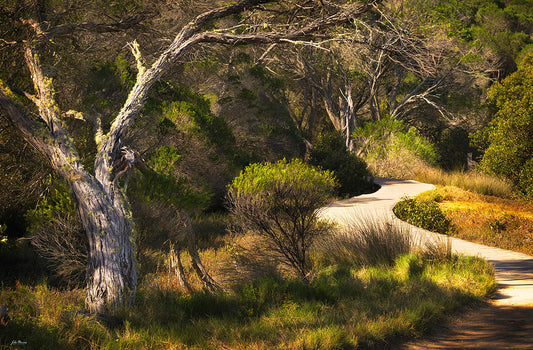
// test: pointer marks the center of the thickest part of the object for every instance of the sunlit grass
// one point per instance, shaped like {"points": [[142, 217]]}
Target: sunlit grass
{"points": [[499, 222], [471, 181], [349, 303], [343, 308]]}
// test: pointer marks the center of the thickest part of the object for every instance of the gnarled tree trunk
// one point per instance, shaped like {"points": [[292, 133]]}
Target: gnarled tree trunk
{"points": [[111, 271]]}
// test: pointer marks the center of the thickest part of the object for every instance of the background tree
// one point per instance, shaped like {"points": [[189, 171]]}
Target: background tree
{"points": [[510, 132]]}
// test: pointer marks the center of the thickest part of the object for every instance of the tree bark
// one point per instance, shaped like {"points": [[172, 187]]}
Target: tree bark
{"points": [[111, 270], [175, 263], [209, 283]]}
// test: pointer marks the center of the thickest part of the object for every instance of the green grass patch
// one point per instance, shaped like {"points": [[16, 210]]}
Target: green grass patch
{"points": [[341, 308]]}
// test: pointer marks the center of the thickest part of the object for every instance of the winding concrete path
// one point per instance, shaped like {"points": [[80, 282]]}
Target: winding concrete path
{"points": [[513, 271]]}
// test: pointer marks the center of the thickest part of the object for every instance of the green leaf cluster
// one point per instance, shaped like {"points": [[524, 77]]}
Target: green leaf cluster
{"points": [[502, 26], [422, 213], [510, 133], [260, 178], [196, 108], [160, 182], [56, 203], [330, 152]]}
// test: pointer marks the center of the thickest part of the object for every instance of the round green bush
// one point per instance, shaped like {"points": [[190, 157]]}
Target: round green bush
{"points": [[424, 214], [280, 202], [330, 152]]}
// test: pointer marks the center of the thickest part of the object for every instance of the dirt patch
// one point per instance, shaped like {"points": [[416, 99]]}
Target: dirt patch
{"points": [[488, 327]]}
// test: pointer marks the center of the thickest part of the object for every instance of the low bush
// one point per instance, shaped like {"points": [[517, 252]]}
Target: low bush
{"points": [[330, 152], [280, 202], [57, 234], [424, 214]]}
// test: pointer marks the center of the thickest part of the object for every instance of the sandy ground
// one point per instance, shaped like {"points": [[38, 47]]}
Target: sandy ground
{"points": [[506, 323]]}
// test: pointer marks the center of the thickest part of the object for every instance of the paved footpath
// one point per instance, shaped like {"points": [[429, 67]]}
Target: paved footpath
{"points": [[510, 311]]}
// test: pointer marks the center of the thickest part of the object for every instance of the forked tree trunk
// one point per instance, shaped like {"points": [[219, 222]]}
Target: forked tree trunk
{"points": [[209, 283]]}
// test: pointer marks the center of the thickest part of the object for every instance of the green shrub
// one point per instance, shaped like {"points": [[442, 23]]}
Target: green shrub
{"points": [[57, 234], [330, 152], [424, 214], [279, 202]]}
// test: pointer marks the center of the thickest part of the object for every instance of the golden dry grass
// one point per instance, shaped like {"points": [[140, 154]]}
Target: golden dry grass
{"points": [[499, 222], [471, 181]]}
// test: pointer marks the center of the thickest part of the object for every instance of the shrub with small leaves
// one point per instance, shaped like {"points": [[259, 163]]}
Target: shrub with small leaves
{"points": [[331, 153], [57, 234], [280, 202], [424, 214]]}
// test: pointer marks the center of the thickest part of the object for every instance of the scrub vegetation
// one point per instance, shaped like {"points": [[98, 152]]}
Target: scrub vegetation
{"points": [[183, 150], [505, 223], [359, 294]]}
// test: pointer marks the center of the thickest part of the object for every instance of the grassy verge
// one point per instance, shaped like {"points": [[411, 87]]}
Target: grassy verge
{"points": [[498, 222], [471, 181], [342, 308], [350, 301]]}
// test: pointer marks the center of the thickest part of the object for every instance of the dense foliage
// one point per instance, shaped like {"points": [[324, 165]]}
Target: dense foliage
{"points": [[329, 152], [422, 213], [510, 133]]}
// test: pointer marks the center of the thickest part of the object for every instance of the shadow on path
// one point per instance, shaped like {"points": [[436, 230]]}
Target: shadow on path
{"points": [[489, 327]]}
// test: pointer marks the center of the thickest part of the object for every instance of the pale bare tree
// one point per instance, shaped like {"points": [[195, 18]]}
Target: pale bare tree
{"points": [[324, 81]]}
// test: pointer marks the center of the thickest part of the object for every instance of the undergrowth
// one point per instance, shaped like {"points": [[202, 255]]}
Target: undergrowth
{"points": [[342, 308], [347, 303], [498, 222]]}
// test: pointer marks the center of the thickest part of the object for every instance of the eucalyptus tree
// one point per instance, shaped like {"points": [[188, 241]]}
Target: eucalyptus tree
{"points": [[99, 189]]}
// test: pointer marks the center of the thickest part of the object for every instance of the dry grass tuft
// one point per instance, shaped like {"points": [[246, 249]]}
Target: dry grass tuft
{"points": [[470, 181], [365, 242]]}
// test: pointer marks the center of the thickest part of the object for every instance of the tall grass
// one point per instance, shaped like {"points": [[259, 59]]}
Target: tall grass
{"points": [[470, 181], [360, 242], [342, 308]]}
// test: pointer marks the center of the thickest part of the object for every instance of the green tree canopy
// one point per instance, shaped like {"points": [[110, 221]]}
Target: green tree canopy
{"points": [[510, 133]]}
